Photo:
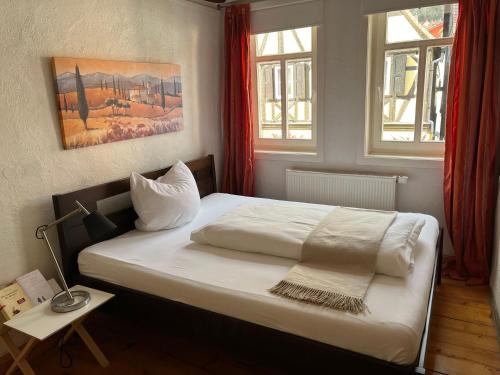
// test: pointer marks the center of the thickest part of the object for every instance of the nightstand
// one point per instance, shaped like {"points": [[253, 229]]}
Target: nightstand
{"points": [[40, 322]]}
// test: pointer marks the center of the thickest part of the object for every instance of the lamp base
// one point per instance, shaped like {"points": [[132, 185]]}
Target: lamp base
{"points": [[62, 302]]}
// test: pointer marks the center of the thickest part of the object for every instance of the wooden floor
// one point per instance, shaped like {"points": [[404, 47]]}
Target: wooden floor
{"points": [[462, 338], [462, 342]]}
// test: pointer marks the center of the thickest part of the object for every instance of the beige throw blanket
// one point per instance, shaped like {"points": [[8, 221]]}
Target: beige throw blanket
{"points": [[338, 260]]}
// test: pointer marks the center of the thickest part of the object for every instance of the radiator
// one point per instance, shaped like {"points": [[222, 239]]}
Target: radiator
{"points": [[349, 190]]}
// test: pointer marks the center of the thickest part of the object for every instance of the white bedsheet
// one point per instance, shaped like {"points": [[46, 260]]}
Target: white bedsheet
{"points": [[234, 283]]}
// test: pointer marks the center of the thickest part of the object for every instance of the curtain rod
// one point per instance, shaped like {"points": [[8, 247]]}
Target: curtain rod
{"points": [[204, 3], [273, 4], [225, 5], [220, 6]]}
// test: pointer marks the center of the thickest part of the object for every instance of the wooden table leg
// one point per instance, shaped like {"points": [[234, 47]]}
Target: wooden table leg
{"points": [[87, 339], [19, 356], [68, 334]]}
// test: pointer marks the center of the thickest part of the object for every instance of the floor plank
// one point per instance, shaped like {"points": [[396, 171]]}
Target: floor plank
{"points": [[455, 366], [464, 302], [465, 339], [463, 326], [462, 337], [478, 356], [453, 288], [454, 309], [462, 341]]}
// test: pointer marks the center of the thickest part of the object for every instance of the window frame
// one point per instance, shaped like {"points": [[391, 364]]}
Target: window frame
{"points": [[377, 48], [286, 145]]}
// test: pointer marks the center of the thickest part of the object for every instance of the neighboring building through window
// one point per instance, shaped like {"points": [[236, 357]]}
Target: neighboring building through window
{"points": [[284, 102], [410, 54]]}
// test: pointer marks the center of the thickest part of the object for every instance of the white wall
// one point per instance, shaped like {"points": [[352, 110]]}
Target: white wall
{"points": [[345, 52], [33, 165]]}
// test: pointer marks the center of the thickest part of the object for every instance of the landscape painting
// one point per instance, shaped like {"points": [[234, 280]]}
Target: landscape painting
{"points": [[108, 101]]}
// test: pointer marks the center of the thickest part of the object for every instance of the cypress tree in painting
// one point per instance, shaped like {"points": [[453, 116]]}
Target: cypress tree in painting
{"points": [[114, 86], [65, 104], [162, 95], [83, 108]]}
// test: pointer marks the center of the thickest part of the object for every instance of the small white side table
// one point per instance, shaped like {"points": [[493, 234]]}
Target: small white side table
{"points": [[40, 322]]}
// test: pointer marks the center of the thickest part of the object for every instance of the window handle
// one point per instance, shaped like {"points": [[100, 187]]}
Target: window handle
{"points": [[379, 94]]}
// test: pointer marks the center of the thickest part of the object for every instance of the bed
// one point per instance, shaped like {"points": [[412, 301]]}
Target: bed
{"points": [[234, 285]]}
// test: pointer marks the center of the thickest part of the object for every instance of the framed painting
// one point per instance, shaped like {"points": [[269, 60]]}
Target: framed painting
{"points": [[108, 101]]}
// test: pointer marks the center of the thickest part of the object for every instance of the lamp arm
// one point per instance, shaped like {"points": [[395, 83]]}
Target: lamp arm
{"points": [[43, 228], [42, 235], [58, 268]]}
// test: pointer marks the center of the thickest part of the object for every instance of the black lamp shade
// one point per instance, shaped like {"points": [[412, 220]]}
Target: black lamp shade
{"points": [[98, 226]]}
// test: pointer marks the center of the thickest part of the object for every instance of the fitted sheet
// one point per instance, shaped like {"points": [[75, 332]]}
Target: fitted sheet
{"points": [[167, 264]]}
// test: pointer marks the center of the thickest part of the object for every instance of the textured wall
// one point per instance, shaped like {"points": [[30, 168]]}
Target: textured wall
{"points": [[33, 165]]}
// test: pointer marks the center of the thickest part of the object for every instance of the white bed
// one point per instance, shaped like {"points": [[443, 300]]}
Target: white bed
{"points": [[233, 283]]}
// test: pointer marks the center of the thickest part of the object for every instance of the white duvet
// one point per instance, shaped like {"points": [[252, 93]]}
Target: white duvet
{"points": [[235, 283], [280, 230]]}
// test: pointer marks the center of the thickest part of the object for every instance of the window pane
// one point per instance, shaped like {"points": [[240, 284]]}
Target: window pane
{"points": [[269, 97], [299, 99], [267, 44], [422, 23], [400, 95], [436, 89], [282, 42], [298, 40]]}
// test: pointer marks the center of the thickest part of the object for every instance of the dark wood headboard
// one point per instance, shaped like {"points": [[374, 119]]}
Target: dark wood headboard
{"points": [[73, 236]]}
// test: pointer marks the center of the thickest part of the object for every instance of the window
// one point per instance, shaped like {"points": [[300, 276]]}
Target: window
{"points": [[410, 54], [284, 94]]}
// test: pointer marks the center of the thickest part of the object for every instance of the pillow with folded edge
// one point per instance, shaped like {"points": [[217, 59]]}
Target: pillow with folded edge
{"points": [[395, 257], [396, 253], [170, 201]]}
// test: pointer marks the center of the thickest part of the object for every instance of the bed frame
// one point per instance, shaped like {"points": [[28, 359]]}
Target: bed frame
{"points": [[295, 353]]}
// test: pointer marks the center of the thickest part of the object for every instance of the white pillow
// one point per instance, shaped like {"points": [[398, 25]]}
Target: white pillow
{"points": [[169, 202], [395, 256]]}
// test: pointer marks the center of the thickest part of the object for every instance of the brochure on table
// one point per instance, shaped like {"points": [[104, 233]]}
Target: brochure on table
{"points": [[27, 291]]}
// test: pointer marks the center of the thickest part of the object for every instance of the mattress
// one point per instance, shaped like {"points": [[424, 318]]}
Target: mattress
{"points": [[167, 264]]}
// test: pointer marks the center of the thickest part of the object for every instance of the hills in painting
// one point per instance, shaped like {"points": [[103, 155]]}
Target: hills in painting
{"points": [[108, 101]]}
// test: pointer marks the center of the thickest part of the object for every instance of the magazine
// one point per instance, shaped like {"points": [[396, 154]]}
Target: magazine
{"points": [[36, 287], [13, 301], [29, 290]]}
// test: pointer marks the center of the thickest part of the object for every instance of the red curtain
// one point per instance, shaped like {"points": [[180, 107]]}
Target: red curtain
{"points": [[238, 128], [471, 165]]}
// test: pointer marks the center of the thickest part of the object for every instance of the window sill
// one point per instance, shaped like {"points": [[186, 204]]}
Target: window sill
{"points": [[401, 161], [288, 155]]}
